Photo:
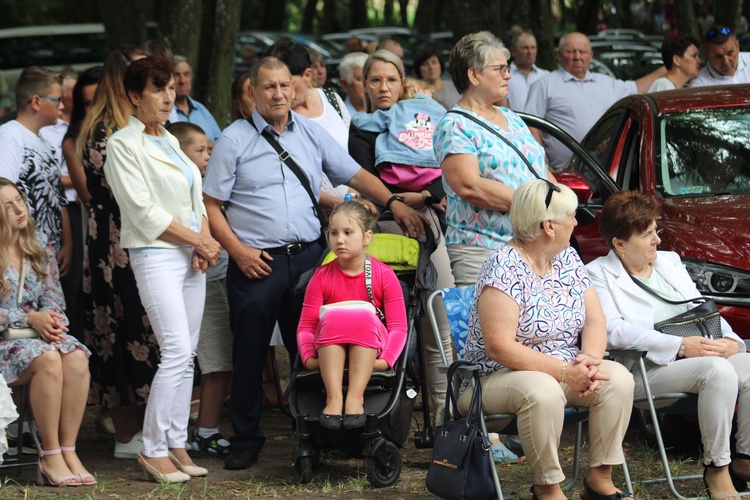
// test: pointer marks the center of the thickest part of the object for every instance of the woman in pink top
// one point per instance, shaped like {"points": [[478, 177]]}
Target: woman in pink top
{"points": [[327, 335]]}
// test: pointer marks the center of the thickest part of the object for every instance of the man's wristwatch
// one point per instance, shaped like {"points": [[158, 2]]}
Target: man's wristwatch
{"points": [[393, 198]]}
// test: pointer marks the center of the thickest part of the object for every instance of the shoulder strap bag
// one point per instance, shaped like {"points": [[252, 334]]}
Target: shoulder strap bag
{"points": [[20, 332], [461, 460], [285, 157], [331, 97], [703, 320], [368, 285]]}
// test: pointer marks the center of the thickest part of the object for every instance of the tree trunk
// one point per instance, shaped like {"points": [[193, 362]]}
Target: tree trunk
{"points": [[388, 13], [727, 13], [274, 15], [588, 16], [180, 24], [330, 22], [358, 14], [125, 22], [424, 20], [309, 15], [544, 30], [475, 15], [213, 78], [684, 18], [403, 5]]}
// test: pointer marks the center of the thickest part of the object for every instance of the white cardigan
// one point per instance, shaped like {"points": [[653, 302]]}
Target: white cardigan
{"points": [[630, 316], [149, 188]]}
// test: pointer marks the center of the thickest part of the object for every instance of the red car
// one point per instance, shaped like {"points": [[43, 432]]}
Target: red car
{"points": [[689, 148]]}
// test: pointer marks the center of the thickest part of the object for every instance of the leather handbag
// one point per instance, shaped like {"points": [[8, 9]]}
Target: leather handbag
{"points": [[703, 320], [461, 461], [20, 332]]}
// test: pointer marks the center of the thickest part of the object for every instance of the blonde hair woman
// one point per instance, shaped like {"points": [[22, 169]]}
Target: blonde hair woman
{"points": [[54, 364]]}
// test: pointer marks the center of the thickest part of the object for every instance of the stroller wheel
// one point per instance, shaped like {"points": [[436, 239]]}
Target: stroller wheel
{"points": [[382, 473], [303, 468]]}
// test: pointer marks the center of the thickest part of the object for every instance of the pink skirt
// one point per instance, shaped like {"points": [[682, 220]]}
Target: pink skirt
{"points": [[351, 326]]}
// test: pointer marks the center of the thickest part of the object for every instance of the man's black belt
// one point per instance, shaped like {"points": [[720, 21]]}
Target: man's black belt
{"points": [[290, 249]]}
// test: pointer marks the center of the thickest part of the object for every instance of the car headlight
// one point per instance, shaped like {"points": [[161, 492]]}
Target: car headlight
{"points": [[714, 279]]}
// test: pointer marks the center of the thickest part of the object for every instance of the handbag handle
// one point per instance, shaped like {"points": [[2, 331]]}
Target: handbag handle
{"points": [[475, 405], [641, 284]]}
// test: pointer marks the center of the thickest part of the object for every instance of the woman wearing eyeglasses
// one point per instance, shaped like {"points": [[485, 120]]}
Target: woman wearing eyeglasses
{"points": [[480, 170], [410, 180], [534, 307]]}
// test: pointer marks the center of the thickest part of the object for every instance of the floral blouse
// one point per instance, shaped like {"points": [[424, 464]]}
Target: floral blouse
{"points": [[552, 311], [37, 295]]}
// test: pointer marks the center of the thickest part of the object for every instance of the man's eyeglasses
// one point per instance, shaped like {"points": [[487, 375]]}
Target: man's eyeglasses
{"points": [[717, 32], [551, 188]]}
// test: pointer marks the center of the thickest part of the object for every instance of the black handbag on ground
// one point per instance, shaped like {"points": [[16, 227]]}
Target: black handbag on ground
{"points": [[461, 460], [703, 320]]}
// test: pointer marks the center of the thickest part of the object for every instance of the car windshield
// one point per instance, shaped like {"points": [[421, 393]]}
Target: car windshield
{"points": [[703, 152]]}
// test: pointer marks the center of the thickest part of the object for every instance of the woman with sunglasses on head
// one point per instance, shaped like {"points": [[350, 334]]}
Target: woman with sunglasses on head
{"points": [[534, 307]]}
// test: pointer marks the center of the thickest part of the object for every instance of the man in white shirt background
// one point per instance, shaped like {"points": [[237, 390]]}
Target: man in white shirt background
{"points": [[523, 69]]}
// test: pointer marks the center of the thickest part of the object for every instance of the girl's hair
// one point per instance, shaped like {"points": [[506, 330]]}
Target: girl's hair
{"points": [[416, 86], [89, 77], [358, 213], [29, 247], [111, 104], [237, 91]]}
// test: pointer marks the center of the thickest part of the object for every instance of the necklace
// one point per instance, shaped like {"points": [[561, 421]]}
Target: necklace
{"points": [[494, 112], [537, 278]]}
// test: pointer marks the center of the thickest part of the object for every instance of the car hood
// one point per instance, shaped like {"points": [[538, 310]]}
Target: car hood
{"points": [[717, 226]]}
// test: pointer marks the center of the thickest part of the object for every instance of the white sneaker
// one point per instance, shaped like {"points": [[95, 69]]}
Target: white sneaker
{"points": [[129, 451]]}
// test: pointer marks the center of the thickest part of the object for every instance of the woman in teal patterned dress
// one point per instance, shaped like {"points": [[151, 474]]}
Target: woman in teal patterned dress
{"points": [[480, 172], [125, 355]]}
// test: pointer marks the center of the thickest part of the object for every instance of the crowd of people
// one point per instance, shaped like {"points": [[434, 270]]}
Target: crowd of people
{"points": [[138, 236]]}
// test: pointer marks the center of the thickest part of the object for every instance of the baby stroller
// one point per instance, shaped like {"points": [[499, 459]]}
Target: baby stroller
{"points": [[390, 395]]}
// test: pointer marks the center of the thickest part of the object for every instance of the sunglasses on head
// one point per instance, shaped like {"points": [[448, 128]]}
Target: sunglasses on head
{"points": [[551, 188], [717, 32]]}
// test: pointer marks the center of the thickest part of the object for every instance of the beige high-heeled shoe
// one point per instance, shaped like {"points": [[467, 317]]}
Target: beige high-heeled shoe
{"points": [[151, 474], [190, 470]]}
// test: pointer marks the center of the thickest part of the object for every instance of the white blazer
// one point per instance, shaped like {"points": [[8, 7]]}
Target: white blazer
{"points": [[630, 316], [149, 188]]}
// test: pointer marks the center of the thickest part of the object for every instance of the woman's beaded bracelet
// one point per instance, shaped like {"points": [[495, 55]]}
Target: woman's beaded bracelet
{"points": [[562, 371]]}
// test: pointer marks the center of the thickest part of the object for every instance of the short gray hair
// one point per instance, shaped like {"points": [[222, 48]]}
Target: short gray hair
{"points": [[349, 62], [179, 59], [527, 210], [564, 39], [268, 62], [473, 51]]}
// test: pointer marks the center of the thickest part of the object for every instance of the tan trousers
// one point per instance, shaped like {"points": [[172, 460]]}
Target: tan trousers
{"points": [[539, 402], [467, 261]]}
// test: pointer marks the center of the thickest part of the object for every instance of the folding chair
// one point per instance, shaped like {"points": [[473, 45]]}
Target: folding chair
{"points": [[458, 302], [24, 412], [675, 403]]}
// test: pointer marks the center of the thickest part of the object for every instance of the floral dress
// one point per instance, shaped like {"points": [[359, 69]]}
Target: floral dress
{"points": [[37, 295], [116, 327]]}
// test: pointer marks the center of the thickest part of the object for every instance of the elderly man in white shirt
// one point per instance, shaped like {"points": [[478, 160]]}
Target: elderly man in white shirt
{"points": [[523, 50], [574, 98], [725, 63]]}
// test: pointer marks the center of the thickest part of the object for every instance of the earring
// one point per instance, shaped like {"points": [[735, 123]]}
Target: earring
{"points": [[553, 238]]}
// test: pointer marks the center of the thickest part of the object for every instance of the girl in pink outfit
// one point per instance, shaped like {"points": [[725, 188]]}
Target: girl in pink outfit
{"points": [[341, 317]]}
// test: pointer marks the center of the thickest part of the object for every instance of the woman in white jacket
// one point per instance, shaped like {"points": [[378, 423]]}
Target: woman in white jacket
{"points": [[165, 229], [717, 370]]}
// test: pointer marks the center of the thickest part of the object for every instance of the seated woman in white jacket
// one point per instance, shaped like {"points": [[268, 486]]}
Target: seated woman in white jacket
{"points": [[718, 371]]}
